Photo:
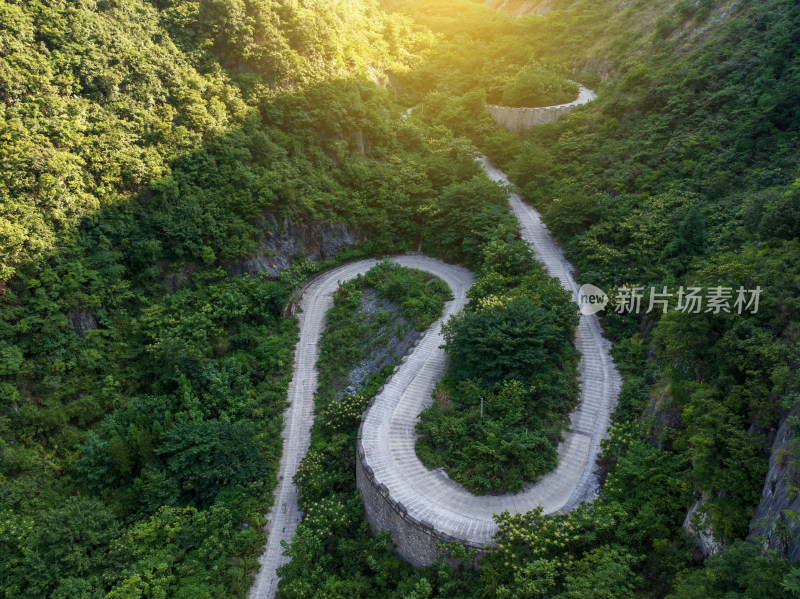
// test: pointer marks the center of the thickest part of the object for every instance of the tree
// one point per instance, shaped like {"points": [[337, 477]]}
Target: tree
{"points": [[205, 455], [70, 549], [741, 570], [508, 339], [605, 572]]}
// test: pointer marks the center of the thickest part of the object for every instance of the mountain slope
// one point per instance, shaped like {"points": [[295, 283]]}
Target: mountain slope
{"points": [[144, 147]]}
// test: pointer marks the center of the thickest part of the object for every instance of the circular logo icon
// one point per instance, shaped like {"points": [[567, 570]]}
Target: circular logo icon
{"points": [[591, 299]]}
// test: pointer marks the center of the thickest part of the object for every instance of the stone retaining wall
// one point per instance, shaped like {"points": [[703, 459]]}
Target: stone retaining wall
{"points": [[524, 119], [299, 292], [413, 540]]}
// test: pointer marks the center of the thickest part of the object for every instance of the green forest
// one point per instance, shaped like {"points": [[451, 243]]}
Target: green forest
{"points": [[150, 147]]}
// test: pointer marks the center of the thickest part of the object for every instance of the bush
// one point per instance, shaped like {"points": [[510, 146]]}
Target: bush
{"points": [[665, 25]]}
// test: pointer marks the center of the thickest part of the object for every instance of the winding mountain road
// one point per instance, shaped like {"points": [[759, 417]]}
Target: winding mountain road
{"points": [[388, 431], [316, 300]]}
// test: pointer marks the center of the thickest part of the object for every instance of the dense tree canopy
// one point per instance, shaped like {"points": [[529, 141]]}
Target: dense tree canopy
{"points": [[145, 145], [512, 378]]}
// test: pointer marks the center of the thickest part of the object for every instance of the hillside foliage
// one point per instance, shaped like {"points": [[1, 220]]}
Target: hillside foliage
{"points": [[145, 147]]}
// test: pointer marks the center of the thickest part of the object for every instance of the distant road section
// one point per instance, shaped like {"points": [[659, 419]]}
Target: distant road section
{"points": [[525, 119]]}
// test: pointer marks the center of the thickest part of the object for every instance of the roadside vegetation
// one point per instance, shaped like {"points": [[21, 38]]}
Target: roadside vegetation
{"points": [[683, 172], [146, 147], [695, 186]]}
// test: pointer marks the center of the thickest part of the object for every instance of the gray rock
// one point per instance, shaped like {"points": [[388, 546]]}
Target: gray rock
{"points": [[81, 321], [663, 418], [595, 67], [772, 523], [179, 276], [696, 526], [282, 242], [383, 353]]}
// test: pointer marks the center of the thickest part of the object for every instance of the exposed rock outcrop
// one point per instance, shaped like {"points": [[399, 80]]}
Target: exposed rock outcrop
{"points": [[663, 418], [287, 240], [179, 275], [592, 68], [776, 522], [380, 355], [81, 321], [697, 527]]}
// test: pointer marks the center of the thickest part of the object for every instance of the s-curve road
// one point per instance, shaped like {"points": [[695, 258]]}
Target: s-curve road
{"points": [[317, 299], [388, 431]]}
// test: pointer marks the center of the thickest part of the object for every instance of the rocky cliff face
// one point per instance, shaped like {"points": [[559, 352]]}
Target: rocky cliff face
{"points": [[81, 321], [592, 68], [698, 529], [663, 419], [286, 240], [776, 522]]}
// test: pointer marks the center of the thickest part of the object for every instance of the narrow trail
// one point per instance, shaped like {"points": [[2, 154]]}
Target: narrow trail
{"points": [[388, 431]]}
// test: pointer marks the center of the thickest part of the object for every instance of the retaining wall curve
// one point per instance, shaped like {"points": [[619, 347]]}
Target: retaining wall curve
{"points": [[525, 119]]}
